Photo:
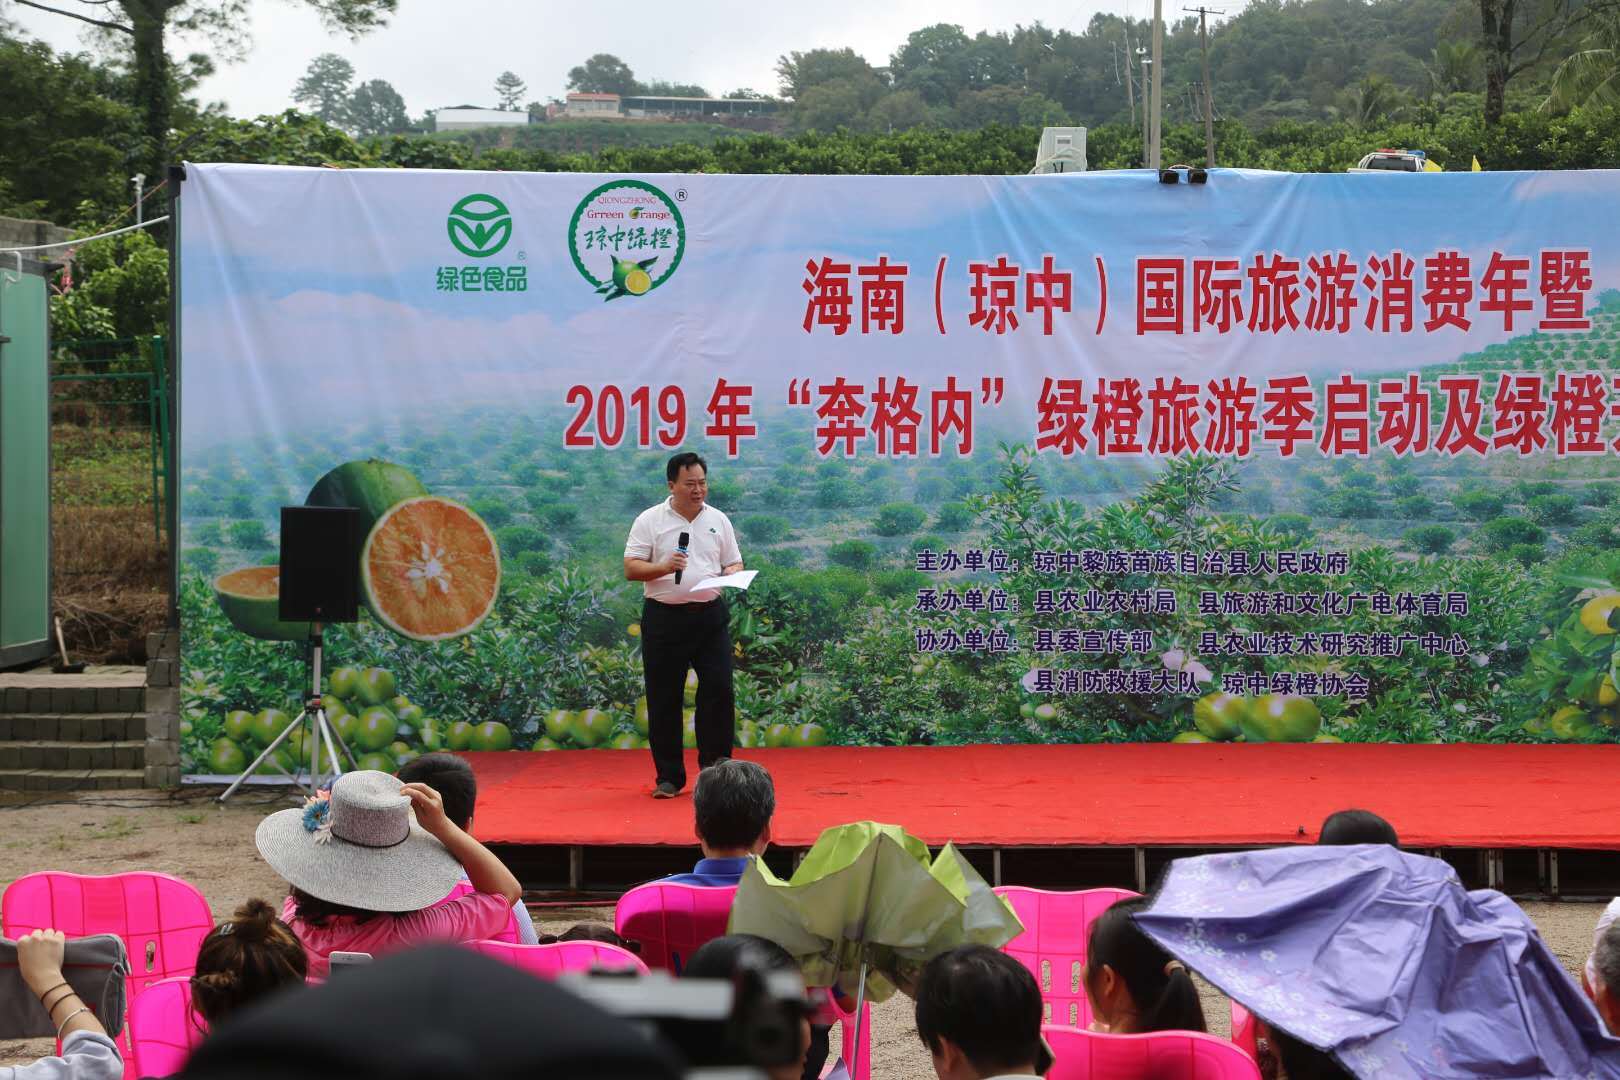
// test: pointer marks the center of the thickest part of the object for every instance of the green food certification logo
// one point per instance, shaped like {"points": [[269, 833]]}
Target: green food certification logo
{"points": [[626, 238], [479, 225]]}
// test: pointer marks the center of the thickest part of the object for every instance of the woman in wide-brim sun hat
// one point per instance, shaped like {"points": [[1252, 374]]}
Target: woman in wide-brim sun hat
{"points": [[370, 863]]}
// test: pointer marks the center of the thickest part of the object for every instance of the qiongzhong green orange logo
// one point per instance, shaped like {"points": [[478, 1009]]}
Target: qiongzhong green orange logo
{"points": [[480, 225], [626, 238]]}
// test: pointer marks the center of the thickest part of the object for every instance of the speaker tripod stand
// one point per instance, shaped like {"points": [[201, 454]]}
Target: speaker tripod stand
{"points": [[321, 735]]}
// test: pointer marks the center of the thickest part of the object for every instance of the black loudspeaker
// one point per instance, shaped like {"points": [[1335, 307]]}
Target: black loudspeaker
{"points": [[320, 564]]}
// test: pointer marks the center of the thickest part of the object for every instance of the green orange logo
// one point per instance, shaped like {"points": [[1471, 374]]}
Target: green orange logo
{"points": [[626, 238], [479, 225]]}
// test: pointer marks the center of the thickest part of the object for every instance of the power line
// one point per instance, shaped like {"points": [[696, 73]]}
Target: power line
{"points": [[85, 239]]}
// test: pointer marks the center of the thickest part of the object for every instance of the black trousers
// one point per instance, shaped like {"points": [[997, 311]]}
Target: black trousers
{"points": [[674, 639]]}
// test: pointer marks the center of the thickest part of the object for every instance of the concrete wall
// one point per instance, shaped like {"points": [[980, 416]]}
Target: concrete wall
{"points": [[19, 232]]}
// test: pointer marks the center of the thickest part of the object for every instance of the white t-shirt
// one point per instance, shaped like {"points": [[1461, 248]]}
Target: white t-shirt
{"points": [[712, 544]]}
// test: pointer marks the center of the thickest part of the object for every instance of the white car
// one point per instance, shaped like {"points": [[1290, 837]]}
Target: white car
{"points": [[1402, 161]]}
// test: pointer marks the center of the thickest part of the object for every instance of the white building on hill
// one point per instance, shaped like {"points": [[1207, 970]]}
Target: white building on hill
{"points": [[464, 117]]}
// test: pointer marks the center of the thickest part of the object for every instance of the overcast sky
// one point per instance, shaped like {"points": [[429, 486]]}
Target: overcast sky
{"points": [[448, 52]]}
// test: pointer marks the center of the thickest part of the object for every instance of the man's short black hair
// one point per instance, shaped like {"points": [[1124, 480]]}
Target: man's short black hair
{"points": [[1345, 827], [451, 777], [986, 1003], [733, 801], [672, 471]]}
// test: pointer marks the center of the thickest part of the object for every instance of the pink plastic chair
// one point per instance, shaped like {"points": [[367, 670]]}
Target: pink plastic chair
{"points": [[857, 1055], [511, 935], [1162, 1055], [549, 961], [162, 1028], [161, 919], [1243, 1031], [1057, 927], [671, 920]]}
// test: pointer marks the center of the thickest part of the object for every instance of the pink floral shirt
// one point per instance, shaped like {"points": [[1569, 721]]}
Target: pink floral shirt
{"points": [[466, 918]]}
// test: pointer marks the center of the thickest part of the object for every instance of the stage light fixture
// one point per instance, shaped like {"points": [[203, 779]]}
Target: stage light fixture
{"points": [[1197, 176], [1169, 176]]}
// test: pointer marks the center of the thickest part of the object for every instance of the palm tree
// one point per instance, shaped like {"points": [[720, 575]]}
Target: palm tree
{"points": [[1591, 74], [1453, 66]]}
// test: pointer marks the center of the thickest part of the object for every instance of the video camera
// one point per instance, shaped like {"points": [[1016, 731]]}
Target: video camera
{"points": [[721, 1028]]}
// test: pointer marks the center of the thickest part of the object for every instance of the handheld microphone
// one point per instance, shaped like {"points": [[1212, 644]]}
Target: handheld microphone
{"points": [[680, 546]]}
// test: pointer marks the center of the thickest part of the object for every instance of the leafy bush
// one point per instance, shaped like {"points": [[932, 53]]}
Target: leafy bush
{"points": [[515, 540], [208, 534], [1526, 554], [765, 528], [1412, 507], [1355, 502], [248, 535], [1405, 484], [1296, 527], [953, 517], [1503, 533], [898, 519], [560, 516], [854, 554], [1479, 505], [1598, 493], [1430, 539], [495, 512], [201, 559], [1551, 509], [239, 504], [893, 584], [1534, 489], [534, 563], [833, 493]]}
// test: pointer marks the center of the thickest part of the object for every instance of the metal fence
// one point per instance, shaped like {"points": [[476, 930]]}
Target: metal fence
{"points": [[110, 425]]}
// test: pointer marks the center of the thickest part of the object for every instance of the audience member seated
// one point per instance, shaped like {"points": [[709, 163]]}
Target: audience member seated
{"points": [[366, 878], [1283, 1057], [725, 958], [435, 1013], [1347, 827], [87, 1053], [247, 958], [591, 931], [733, 801], [453, 779], [979, 1014], [1603, 975], [1133, 985], [1589, 969]]}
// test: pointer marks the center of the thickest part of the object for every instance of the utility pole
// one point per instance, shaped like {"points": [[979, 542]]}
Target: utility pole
{"points": [[1130, 80], [1158, 79], [1209, 91], [1146, 64]]}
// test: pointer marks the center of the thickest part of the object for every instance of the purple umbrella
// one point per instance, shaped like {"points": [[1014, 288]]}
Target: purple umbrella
{"points": [[1383, 959]]}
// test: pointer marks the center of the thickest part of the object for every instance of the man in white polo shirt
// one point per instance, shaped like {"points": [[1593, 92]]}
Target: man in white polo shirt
{"points": [[681, 627]]}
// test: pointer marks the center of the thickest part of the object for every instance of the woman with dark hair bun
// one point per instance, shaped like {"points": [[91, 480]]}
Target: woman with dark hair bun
{"points": [[248, 957], [1134, 986]]}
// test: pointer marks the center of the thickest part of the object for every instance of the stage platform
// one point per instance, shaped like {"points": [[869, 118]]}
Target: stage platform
{"points": [[1531, 819]]}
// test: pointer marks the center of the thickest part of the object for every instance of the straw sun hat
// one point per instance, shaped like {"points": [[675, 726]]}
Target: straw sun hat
{"points": [[359, 846]]}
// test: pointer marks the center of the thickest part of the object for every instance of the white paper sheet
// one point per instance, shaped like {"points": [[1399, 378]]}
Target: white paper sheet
{"points": [[740, 580]]}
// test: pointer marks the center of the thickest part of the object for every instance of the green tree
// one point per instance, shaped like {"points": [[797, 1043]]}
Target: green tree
{"points": [[1430, 539], [854, 554], [935, 62], [1552, 509], [1590, 75], [65, 137], [801, 71], [1414, 506], [898, 519], [1519, 35], [324, 89], [1504, 533], [1479, 505], [765, 528], [603, 73], [121, 289], [509, 89], [1452, 67], [144, 29], [377, 109], [664, 88]]}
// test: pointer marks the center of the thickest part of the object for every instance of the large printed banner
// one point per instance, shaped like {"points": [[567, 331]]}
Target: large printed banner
{"points": [[1019, 459]]}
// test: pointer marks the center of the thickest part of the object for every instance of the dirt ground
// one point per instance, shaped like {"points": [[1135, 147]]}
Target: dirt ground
{"points": [[212, 847]]}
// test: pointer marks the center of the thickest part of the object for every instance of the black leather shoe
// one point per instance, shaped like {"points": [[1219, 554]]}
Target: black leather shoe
{"points": [[665, 790]]}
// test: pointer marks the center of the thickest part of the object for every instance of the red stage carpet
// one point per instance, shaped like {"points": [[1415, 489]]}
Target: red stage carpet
{"points": [[1084, 796]]}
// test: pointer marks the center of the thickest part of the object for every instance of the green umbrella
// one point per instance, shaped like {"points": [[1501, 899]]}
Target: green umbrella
{"points": [[868, 907]]}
